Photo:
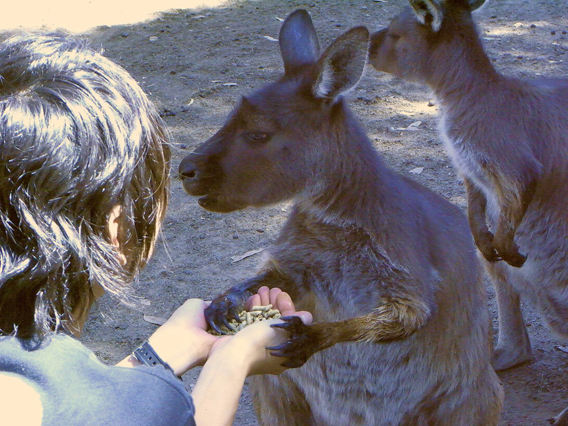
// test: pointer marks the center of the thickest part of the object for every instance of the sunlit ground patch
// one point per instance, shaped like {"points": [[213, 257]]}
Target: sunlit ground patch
{"points": [[82, 15]]}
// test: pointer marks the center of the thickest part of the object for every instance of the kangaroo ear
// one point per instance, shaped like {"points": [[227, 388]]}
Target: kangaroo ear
{"points": [[429, 12], [341, 66], [298, 41]]}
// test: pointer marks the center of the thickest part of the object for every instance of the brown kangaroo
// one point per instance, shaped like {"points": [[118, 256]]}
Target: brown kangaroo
{"points": [[387, 267], [509, 141]]}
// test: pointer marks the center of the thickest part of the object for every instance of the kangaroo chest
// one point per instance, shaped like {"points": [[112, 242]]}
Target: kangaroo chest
{"points": [[340, 270], [467, 159]]}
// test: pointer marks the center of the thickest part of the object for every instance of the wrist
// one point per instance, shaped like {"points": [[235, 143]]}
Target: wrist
{"points": [[129, 362], [235, 354], [181, 350], [219, 386], [145, 354]]}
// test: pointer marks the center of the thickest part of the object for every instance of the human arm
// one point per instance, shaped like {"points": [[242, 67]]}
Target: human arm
{"points": [[182, 342], [232, 359]]}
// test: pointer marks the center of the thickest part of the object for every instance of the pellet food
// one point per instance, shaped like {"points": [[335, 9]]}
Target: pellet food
{"points": [[256, 314]]}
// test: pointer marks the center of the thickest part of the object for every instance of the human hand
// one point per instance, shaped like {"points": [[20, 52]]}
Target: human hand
{"points": [[249, 346], [183, 341]]}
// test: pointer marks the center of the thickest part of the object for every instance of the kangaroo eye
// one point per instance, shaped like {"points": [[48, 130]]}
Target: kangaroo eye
{"points": [[257, 136]]}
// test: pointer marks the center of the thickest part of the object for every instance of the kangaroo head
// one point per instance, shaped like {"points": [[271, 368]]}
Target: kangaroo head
{"points": [[421, 35], [277, 140]]}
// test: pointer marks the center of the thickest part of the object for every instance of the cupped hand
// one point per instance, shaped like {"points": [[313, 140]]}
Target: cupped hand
{"points": [[249, 345], [183, 341]]}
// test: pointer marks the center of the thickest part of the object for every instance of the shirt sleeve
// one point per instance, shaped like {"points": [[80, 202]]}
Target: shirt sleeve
{"points": [[76, 389]]}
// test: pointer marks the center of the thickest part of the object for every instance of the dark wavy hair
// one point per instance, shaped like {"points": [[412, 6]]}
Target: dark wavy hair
{"points": [[78, 136]]}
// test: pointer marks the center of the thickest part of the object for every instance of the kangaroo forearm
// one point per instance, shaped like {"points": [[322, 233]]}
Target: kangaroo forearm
{"points": [[270, 278], [527, 196], [476, 210], [392, 320], [515, 197]]}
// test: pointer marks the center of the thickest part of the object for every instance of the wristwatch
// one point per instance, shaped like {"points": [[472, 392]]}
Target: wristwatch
{"points": [[147, 356]]}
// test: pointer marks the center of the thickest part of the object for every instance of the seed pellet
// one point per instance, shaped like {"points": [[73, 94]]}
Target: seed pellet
{"points": [[256, 314]]}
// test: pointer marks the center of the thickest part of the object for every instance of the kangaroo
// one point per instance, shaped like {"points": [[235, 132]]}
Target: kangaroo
{"points": [[387, 267], [508, 140]]}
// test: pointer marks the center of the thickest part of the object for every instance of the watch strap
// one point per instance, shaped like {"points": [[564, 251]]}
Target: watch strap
{"points": [[146, 355]]}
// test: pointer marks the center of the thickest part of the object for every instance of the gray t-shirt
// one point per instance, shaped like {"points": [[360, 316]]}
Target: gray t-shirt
{"points": [[77, 389]]}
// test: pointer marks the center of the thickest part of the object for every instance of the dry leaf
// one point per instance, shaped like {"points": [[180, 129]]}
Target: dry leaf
{"points": [[250, 253], [417, 170], [270, 38], [562, 348], [230, 84], [413, 127], [154, 320]]}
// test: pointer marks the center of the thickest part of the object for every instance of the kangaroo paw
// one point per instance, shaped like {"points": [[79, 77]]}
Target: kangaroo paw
{"points": [[504, 359], [302, 344], [487, 249], [509, 252], [222, 309], [514, 258]]}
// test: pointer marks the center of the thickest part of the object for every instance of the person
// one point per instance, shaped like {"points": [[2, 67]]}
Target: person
{"points": [[84, 182]]}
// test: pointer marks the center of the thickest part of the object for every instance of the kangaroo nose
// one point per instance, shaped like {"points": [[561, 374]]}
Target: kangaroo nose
{"points": [[191, 175], [188, 168]]}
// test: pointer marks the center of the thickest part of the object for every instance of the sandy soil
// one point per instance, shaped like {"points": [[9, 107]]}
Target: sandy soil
{"points": [[196, 63]]}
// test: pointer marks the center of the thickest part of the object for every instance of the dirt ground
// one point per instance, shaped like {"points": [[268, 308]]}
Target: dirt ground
{"points": [[195, 63]]}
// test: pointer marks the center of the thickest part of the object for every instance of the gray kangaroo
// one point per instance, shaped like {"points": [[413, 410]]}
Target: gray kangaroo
{"points": [[509, 141], [387, 267]]}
